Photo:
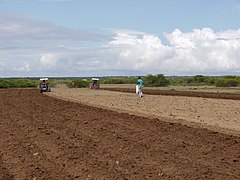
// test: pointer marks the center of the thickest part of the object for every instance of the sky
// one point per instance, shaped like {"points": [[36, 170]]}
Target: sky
{"points": [[58, 38]]}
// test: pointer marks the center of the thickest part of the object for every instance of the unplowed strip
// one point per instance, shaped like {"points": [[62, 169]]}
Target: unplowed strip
{"points": [[47, 138], [180, 93]]}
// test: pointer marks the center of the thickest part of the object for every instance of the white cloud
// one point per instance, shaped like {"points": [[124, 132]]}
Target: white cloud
{"points": [[48, 61], [23, 68], [138, 53], [46, 47], [200, 51], [30, 47]]}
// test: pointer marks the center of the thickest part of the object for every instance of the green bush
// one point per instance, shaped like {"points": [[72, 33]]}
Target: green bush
{"points": [[113, 81], [24, 83], [210, 81], [226, 82], [77, 84], [17, 83], [52, 83], [230, 77], [158, 80], [4, 83], [198, 80], [124, 80]]}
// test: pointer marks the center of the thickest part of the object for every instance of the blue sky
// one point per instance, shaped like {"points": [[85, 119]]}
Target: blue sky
{"points": [[113, 37]]}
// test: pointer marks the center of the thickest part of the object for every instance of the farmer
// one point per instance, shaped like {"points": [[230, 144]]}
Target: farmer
{"points": [[140, 84]]}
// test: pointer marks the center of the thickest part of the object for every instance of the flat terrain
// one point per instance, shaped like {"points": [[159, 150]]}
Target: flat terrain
{"points": [[212, 89], [217, 112], [47, 138]]}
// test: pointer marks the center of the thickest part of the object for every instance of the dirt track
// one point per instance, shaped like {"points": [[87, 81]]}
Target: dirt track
{"points": [[47, 138]]}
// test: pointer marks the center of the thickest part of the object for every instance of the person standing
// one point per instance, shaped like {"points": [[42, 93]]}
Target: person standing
{"points": [[140, 85]]}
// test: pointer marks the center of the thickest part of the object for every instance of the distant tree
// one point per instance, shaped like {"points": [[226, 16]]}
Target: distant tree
{"points": [[77, 84], [158, 80], [226, 82], [229, 77], [123, 80], [199, 79], [17, 83]]}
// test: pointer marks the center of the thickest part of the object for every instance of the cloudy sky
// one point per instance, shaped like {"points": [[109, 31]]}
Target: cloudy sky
{"points": [[119, 37]]}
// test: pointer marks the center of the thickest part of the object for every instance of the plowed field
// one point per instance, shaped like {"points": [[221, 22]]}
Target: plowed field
{"points": [[180, 93], [47, 138]]}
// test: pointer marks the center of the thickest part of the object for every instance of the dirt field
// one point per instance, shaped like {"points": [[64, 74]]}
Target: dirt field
{"points": [[47, 138], [180, 93], [207, 110]]}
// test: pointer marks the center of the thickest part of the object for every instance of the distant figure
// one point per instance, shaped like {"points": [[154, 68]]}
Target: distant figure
{"points": [[140, 84]]}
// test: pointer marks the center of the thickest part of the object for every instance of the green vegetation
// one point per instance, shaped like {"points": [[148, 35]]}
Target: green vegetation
{"points": [[200, 80], [120, 80], [227, 82], [77, 84], [158, 80], [18, 83], [52, 82]]}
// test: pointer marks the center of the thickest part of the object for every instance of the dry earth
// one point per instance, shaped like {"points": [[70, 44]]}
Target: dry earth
{"points": [[43, 137], [220, 115]]}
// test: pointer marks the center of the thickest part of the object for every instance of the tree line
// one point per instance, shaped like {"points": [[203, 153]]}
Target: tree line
{"points": [[158, 80]]}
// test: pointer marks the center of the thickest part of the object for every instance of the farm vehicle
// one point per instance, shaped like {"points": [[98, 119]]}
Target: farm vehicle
{"points": [[44, 85], [95, 83]]}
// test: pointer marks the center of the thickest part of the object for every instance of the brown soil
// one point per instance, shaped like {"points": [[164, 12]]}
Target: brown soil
{"points": [[180, 93], [221, 115], [47, 138]]}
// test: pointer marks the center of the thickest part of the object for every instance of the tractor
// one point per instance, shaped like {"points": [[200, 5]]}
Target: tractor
{"points": [[95, 83], [44, 85]]}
